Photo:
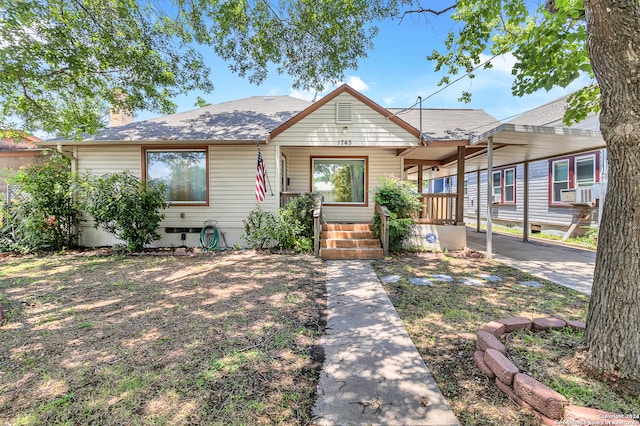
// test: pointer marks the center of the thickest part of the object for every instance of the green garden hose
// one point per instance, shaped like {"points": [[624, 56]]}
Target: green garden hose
{"points": [[209, 237]]}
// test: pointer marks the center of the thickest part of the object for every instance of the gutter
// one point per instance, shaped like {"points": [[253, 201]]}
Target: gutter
{"points": [[540, 130]]}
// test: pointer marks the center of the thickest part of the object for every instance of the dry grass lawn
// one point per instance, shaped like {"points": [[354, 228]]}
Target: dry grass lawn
{"points": [[159, 340], [91, 338]]}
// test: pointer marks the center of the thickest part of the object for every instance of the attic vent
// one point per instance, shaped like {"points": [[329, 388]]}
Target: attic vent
{"points": [[343, 112]]}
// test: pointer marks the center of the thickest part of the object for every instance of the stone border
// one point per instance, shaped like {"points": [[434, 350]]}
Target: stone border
{"points": [[549, 406]]}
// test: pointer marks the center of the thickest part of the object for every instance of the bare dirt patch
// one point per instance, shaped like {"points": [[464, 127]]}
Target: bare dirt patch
{"points": [[224, 339]]}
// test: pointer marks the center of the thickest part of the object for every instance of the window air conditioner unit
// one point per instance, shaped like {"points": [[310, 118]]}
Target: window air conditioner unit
{"points": [[582, 196], [568, 196], [496, 199]]}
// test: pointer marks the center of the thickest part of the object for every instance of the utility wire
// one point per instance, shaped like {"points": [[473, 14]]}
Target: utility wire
{"points": [[445, 87]]}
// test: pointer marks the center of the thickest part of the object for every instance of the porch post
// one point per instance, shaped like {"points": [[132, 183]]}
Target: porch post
{"points": [[460, 187], [278, 175], [420, 170], [478, 198], [489, 195], [525, 221]]}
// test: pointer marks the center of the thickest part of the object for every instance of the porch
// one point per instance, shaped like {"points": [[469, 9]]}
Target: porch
{"points": [[436, 228]]}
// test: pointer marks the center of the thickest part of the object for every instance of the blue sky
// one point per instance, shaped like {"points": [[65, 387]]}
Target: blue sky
{"points": [[394, 74]]}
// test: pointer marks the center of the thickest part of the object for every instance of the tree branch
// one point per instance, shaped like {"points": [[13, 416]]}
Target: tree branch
{"points": [[431, 11]]}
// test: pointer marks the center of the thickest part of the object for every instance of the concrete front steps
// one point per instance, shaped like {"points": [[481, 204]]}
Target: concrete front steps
{"points": [[349, 241]]}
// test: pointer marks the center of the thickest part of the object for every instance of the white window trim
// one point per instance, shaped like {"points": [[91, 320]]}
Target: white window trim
{"points": [[504, 186], [592, 157], [553, 179], [499, 187]]}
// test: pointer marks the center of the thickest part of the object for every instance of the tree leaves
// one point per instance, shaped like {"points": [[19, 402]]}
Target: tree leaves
{"points": [[63, 63], [549, 47]]}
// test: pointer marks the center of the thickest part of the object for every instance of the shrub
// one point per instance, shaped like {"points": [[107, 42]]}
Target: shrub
{"points": [[44, 211], [290, 228], [258, 229], [401, 200], [127, 207]]}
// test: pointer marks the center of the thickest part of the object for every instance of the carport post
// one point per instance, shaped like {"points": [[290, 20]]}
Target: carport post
{"points": [[489, 195], [460, 187], [478, 198]]}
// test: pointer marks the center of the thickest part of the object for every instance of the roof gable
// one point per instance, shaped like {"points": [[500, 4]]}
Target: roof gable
{"points": [[333, 95]]}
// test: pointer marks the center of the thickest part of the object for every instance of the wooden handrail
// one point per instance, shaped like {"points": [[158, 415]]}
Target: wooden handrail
{"points": [[317, 225], [384, 214], [439, 209], [286, 197]]}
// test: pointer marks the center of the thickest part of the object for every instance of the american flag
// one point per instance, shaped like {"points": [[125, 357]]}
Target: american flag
{"points": [[261, 186]]}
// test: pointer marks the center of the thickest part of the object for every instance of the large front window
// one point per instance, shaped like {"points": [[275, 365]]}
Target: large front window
{"points": [[184, 173], [340, 180]]}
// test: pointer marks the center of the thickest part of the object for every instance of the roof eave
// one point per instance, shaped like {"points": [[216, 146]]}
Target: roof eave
{"points": [[541, 130], [172, 142]]}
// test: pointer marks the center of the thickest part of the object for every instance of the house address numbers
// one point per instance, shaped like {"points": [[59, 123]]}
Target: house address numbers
{"points": [[344, 142]]}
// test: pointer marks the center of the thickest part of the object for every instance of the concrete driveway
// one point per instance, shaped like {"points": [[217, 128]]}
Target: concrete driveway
{"points": [[567, 266]]}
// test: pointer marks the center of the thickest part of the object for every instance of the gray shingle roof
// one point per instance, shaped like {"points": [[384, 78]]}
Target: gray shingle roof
{"points": [[449, 124], [551, 114], [245, 119], [251, 119]]}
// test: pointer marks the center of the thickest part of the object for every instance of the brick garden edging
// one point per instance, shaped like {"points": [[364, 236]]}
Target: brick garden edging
{"points": [[549, 406]]}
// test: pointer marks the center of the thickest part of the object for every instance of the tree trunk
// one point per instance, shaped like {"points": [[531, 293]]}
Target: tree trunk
{"points": [[613, 323]]}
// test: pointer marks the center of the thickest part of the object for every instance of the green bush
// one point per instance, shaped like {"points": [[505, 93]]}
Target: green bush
{"points": [[259, 228], [127, 207], [290, 228], [401, 199], [45, 210]]}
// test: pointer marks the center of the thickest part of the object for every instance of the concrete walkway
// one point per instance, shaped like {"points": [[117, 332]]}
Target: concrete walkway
{"points": [[568, 266], [373, 373]]}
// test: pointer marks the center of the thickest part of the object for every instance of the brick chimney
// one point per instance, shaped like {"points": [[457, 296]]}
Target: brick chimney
{"points": [[119, 117]]}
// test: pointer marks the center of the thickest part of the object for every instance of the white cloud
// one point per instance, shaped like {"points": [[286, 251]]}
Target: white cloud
{"points": [[307, 95], [310, 95], [503, 63], [357, 83]]}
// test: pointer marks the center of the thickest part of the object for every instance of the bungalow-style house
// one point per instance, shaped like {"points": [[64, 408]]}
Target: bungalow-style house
{"points": [[208, 159], [565, 191], [16, 153]]}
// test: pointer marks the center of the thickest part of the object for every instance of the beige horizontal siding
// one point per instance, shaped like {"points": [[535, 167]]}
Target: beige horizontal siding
{"points": [[381, 163], [100, 160], [232, 173], [368, 128]]}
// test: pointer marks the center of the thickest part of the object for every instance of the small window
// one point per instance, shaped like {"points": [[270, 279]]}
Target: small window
{"points": [[497, 187], [509, 186], [340, 180], [466, 187], [570, 173], [585, 171], [504, 186], [560, 178], [343, 112], [184, 172]]}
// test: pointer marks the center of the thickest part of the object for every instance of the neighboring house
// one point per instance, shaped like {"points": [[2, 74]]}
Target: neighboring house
{"points": [[207, 157], [16, 154], [563, 191]]}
